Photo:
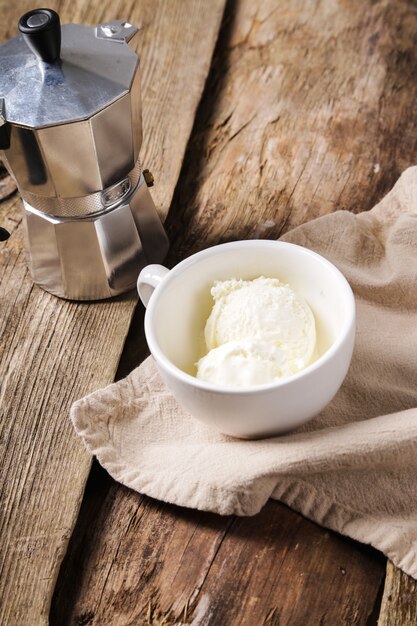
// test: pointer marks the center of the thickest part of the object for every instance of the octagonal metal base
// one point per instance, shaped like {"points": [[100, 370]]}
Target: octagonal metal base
{"points": [[98, 256]]}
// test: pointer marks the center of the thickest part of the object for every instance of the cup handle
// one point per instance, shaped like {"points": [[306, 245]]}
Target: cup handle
{"points": [[149, 279]]}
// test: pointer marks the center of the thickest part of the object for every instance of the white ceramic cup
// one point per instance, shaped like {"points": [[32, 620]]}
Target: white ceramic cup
{"points": [[178, 304]]}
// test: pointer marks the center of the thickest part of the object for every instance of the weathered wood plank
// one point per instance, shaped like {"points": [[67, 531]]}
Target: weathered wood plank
{"points": [[7, 184], [399, 602], [53, 352], [310, 107], [168, 565]]}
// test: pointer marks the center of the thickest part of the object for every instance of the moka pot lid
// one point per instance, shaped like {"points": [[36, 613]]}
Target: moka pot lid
{"points": [[43, 84]]}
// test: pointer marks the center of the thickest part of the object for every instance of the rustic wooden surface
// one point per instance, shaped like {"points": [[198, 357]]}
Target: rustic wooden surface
{"points": [[53, 352], [7, 184], [144, 562], [399, 604], [310, 107]]}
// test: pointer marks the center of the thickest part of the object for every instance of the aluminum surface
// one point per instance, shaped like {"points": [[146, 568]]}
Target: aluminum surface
{"points": [[93, 72], [117, 30], [79, 159], [84, 206], [97, 257], [71, 132]]}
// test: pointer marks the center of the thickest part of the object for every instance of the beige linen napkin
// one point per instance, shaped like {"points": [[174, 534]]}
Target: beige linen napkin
{"points": [[354, 467]]}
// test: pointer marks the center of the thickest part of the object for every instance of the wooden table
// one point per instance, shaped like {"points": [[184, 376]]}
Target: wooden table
{"points": [[258, 116]]}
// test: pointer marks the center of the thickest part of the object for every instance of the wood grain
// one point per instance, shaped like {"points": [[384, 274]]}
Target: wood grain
{"points": [[309, 108], [53, 352], [399, 602], [145, 562], [7, 184], [312, 109]]}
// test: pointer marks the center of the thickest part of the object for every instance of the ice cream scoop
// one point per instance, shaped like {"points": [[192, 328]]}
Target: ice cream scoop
{"points": [[260, 325], [243, 364]]}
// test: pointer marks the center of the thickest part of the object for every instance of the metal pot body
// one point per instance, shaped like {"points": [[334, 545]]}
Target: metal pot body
{"points": [[64, 170], [99, 256], [71, 131]]}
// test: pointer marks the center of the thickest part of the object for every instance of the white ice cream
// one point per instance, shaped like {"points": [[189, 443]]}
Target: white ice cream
{"points": [[243, 364], [259, 331]]}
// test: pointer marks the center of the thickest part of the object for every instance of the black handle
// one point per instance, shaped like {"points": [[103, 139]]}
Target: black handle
{"points": [[41, 29], [5, 136], [4, 234]]}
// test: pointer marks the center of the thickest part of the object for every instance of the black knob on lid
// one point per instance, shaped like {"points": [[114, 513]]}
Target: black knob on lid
{"points": [[41, 29]]}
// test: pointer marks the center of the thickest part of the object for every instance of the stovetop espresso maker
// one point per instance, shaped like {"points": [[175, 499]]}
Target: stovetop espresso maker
{"points": [[70, 132]]}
